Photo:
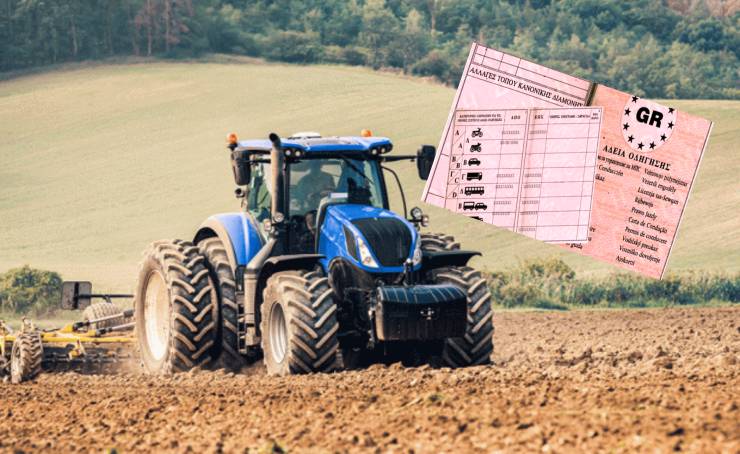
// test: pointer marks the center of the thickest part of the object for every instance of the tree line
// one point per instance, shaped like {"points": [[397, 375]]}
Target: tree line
{"points": [[646, 47]]}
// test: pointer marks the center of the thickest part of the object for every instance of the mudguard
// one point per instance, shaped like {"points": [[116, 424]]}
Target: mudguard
{"points": [[289, 262], [438, 259], [238, 234]]}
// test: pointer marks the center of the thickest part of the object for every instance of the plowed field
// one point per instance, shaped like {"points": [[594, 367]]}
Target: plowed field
{"points": [[616, 381]]}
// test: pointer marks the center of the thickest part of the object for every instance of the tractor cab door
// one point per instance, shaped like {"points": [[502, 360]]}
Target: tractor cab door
{"points": [[311, 180], [259, 197]]}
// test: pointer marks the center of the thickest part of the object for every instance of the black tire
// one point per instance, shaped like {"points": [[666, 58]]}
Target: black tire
{"points": [[223, 280], [26, 356], [177, 270], [306, 339], [438, 242], [100, 310], [476, 347]]}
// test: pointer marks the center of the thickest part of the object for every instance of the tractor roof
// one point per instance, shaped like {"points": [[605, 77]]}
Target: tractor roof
{"points": [[322, 144]]}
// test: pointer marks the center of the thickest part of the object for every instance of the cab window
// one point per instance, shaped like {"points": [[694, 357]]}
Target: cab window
{"points": [[260, 192], [311, 180]]}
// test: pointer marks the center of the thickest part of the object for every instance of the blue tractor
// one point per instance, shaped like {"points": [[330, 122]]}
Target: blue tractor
{"points": [[315, 273]]}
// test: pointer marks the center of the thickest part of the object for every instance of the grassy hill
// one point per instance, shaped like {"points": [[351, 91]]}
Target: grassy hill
{"points": [[97, 161]]}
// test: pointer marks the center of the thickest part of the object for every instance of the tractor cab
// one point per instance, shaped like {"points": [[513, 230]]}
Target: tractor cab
{"points": [[316, 174], [312, 185]]}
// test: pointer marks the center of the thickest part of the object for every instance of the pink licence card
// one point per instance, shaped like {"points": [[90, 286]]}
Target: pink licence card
{"points": [[645, 162]]}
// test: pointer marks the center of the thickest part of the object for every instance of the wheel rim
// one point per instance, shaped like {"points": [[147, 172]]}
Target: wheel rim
{"points": [[278, 333], [156, 315]]}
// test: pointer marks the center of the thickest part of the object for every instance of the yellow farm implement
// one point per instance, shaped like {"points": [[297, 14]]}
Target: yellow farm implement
{"points": [[100, 343]]}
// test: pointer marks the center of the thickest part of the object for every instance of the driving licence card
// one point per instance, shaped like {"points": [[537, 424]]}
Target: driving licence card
{"points": [[646, 161]]}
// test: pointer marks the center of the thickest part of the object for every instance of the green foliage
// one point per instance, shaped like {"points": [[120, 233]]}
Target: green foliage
{"points": [[552, 284], [27, 290], [643, 47], [292, 46]]}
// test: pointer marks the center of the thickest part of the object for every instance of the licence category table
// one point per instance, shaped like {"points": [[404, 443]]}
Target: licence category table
{"points": [[527, 170]]}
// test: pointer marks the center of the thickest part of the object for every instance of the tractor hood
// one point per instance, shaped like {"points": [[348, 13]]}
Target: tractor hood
{"points": [[375, 239]]}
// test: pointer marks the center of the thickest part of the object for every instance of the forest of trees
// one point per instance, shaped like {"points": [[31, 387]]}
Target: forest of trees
{"points": [[647, 47]]}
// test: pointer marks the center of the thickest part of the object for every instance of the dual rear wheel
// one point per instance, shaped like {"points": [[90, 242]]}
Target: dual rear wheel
{"points": [[187, 317], [176, 308]]}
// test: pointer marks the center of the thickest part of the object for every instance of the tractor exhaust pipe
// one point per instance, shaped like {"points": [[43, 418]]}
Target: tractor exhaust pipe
{"points": [[276, 166], [275, 245]]}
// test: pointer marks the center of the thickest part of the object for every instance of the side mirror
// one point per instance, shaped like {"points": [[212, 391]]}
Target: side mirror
{"points": [[76, 294], [424, 160], [240, 165]]}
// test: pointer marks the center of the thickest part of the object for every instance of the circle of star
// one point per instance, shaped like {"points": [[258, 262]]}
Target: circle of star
{"points": [[647, 125]]}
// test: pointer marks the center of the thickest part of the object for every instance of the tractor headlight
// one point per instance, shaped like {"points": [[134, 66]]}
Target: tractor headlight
{"points": [[417, 252], [366, 257]]}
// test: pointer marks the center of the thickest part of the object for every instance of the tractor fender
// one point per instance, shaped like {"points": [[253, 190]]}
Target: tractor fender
{"points": [[288, 262], [238, 234], [438, 259]]}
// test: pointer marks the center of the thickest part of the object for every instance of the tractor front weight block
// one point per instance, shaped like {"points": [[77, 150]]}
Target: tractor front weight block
{"points": [[420, 312]]}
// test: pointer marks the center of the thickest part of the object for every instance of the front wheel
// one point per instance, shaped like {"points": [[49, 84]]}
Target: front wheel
{"points": [[476, 346], [299, 324]]}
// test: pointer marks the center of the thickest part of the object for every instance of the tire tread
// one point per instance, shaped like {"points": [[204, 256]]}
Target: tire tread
{"points": [[311, 311]]}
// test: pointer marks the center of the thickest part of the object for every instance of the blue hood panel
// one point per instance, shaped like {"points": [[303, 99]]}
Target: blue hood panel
{"points": [[338, 223], [350, 212]]}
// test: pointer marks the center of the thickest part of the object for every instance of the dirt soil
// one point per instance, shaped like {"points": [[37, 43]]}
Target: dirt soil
{"points": [[616, 381]]}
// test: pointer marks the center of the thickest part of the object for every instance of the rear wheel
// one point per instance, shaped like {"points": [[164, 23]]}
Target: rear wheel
{"points": [[299, 324], [476, 346], [175, 308], [223, 279], [26, 356]]}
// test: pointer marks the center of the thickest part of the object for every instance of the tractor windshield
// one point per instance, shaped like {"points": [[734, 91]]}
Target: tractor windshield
{"points": [[311, 180]]}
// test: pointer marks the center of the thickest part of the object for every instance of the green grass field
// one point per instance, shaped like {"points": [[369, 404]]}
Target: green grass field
{"points": [[96, 161]]}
